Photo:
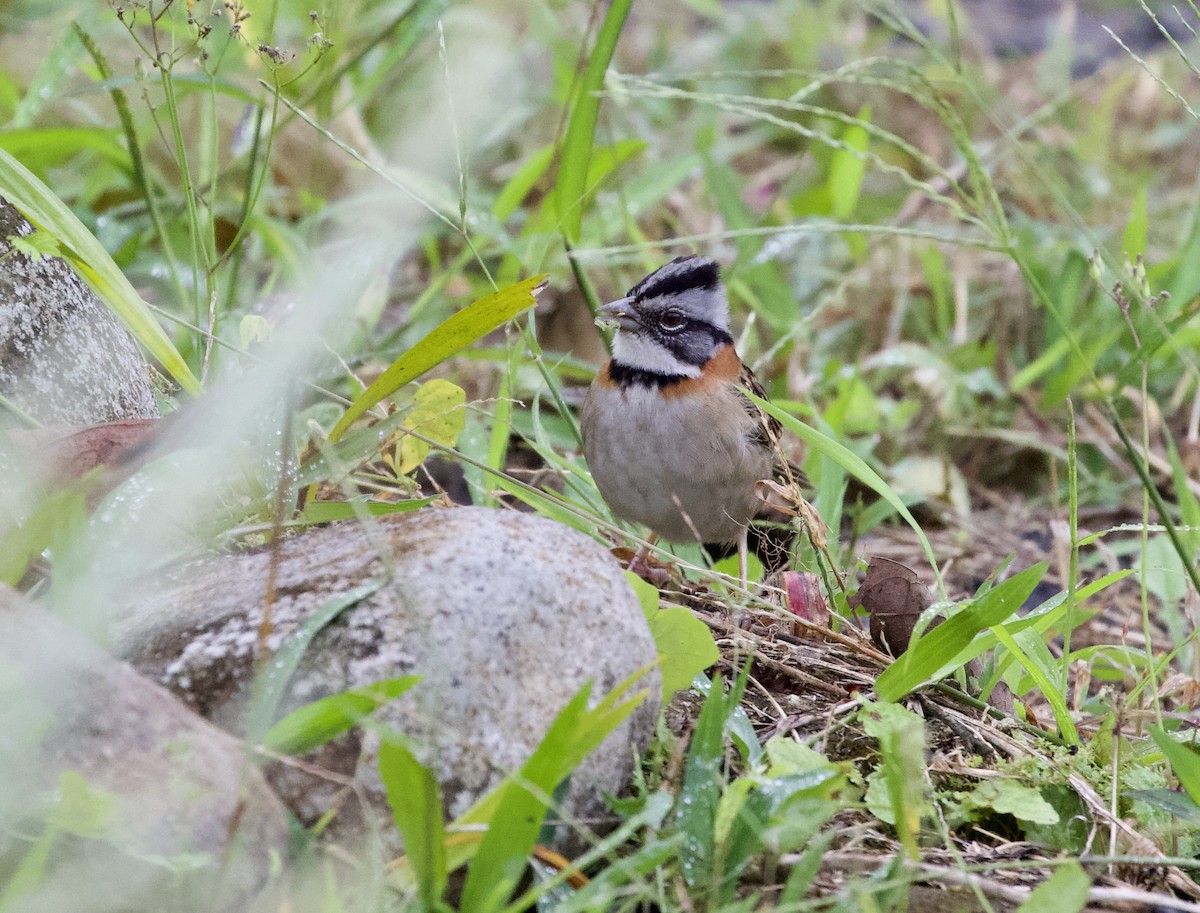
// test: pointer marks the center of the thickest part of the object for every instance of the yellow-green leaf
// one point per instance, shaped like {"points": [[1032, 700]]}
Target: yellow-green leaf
{"points": [[451, 335], [437, 413]]}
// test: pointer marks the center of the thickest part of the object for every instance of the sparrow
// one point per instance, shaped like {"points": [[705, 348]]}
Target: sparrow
{"points": [[671, 440]]}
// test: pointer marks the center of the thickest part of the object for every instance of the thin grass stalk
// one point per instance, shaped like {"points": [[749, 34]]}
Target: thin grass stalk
{"points": [[199, 247], [140, 178], [1073, 522]]}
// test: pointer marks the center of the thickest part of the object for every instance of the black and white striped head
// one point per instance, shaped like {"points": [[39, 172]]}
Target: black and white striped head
{"points": [[671, 322]]}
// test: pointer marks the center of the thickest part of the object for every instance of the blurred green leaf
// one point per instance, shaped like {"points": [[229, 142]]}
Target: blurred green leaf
{"points": [[52, 146], [514, 811], [847, 169], [518, 186], [581, 129], [82, 809], [53, 70], [57, 520], [272, 680], [1137, 229]]}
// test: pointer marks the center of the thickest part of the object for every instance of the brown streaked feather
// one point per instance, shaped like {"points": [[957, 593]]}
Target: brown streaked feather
{"points": [[769, 430]]}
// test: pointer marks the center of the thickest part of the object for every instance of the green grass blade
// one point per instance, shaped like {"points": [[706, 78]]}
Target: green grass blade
{"points": [[515, 812], [566, 744], [317, 723], [853, 464], [581, 131], [272, 682], [456, 332], [1040, 676], [921, 660], [46, 212]]}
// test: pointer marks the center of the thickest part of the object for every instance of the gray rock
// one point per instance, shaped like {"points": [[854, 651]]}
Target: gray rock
{"points": [[506, 616], [168, 813], [65, 359]]}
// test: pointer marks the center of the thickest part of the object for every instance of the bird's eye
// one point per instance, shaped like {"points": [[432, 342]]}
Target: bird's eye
{"points": [[672, 320]]}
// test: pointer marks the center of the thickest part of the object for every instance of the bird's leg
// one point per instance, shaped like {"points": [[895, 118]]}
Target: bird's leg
{"points": [[743, 552], [640, 562]]}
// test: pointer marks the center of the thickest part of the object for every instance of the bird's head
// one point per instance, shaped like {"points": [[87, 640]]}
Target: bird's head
{"points": [[673, 321]]}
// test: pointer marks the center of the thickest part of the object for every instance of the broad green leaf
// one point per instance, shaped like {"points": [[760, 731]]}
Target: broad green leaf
{"points": [[581, 130], [853, 464], [437, 413], [1008, 797], [1184, 761], [416, 801], [925, 657], [451, 335], [1066, 891], [685, 645], [46, 212], [315, 724]]}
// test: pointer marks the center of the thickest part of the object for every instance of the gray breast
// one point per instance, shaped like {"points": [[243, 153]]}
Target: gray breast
{"points": [[685, 468]]}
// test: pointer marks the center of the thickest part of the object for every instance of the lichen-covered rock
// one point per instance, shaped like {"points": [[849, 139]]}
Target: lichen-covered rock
{"points": [[153, 808], [65, 359], [506, 616]]}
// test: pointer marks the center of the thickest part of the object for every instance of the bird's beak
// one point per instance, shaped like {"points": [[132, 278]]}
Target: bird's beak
{"points": [[618, 313]]}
